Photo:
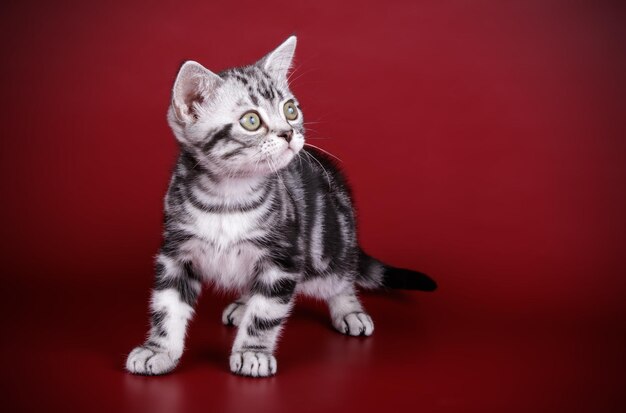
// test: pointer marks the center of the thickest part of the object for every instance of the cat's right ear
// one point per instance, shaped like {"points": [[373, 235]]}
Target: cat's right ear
{"points": [[194, 84]]}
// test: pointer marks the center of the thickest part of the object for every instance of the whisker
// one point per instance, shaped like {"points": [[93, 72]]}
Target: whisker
{"points": [[300, 75], [326, 152], [273, 167], [299, 160], [293, 72], [260, 157], [320, 164]]}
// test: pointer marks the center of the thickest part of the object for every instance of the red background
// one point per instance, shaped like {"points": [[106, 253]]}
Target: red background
{"points": [[485, 143]]}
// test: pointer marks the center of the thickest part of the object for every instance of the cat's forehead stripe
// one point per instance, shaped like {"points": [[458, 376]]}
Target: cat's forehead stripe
{"points": [[253, 98], [257, 81]]}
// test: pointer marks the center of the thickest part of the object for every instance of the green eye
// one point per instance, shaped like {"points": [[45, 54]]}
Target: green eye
{"points": [[290, 109], [250, 121]]}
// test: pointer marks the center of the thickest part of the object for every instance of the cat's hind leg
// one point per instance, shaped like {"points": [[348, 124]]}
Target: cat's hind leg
{"points": [[347, 314], [233, 313]]}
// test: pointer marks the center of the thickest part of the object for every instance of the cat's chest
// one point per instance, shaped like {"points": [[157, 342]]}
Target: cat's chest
{"points": [[225, 229], [221, 250]]}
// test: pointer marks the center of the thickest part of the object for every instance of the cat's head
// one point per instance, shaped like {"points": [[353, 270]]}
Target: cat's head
{"points": [[243, 121]]}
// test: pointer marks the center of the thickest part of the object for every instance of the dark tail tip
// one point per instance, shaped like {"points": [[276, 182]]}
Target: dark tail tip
{"points": [[402, 279]]}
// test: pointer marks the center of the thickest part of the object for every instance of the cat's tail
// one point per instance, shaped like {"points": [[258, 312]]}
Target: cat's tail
{"points": [[375, 274]]}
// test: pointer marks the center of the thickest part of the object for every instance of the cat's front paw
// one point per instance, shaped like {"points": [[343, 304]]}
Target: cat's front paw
{"points": [[233, 313], [150, 362], [253, 364], [354, 324]]}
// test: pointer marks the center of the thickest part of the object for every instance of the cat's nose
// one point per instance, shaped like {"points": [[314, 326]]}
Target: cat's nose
{"points": [[286, 135]]}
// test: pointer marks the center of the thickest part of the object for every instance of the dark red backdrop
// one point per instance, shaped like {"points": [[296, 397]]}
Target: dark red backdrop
{"points": [[486, 144]]}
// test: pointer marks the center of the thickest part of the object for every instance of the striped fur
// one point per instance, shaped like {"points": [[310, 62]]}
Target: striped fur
{"points": [[243, 214]]}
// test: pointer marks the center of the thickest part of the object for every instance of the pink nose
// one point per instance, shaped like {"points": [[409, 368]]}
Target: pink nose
{"points": [[286, 135]]}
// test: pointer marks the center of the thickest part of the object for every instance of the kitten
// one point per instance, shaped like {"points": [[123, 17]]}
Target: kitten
{"points": [[244, 214]]}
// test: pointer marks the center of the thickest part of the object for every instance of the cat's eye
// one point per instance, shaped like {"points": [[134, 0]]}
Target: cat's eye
{"points": [[290, 109], [250, 121]]}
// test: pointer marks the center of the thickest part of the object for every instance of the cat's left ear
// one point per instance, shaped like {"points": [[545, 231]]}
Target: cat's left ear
{"points": [[278, 62]]}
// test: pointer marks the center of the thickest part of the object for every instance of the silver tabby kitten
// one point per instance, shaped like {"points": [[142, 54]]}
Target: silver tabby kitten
{"points": [[243, 214]]}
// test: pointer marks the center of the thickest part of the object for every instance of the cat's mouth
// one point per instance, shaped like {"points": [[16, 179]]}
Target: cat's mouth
{"points": [[286, 156], [288, 153]]}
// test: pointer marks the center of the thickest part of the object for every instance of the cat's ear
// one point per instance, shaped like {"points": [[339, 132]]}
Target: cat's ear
{"points": [[194, 84], [278, 62]]}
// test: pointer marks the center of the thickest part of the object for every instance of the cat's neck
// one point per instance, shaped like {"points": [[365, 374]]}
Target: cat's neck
{"points": [[221, 187], [233, 187]]}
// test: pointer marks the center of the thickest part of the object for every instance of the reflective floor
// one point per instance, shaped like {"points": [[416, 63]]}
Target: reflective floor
{"points": [[425, 355]]}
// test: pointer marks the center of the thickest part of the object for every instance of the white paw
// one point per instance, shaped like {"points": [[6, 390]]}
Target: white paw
{"points": [[355, 324], [253, 364], [147, 361], [233, 313]]}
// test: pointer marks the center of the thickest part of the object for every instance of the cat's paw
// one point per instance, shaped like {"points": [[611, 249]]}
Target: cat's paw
{"points": [[253, 364], [354, 324], [150, 362], [233, 313]]}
